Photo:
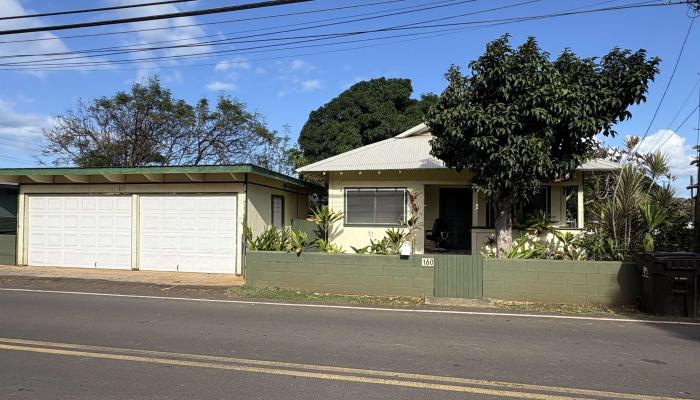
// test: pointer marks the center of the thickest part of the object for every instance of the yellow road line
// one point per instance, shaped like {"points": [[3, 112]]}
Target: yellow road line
{"points": [[387, 374], [292, 373]]}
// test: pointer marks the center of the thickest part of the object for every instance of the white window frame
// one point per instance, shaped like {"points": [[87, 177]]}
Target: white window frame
{"points": [[373, 189]]}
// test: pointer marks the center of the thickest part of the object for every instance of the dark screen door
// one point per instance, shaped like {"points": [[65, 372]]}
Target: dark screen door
{"points": [[456, 209]]}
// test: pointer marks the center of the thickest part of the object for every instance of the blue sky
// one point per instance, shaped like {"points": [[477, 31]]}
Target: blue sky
{"points": [[285, 85]]}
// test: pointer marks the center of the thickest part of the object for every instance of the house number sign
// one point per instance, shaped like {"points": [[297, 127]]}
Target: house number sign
{"points": [[427, 262]]}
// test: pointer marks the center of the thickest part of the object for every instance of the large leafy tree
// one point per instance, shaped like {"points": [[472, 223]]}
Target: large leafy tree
{"points": [[148, 126], [520, 119], [367, 112]]}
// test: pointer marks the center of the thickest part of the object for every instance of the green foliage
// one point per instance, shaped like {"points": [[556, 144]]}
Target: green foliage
{"points": [[271, 239], [598, 246], [392, 240], [569, 246], [367, 112], [326, 246], [637, 211], [324, 218], [520, 119], [299, 241], [147, 126], [539, 223]]}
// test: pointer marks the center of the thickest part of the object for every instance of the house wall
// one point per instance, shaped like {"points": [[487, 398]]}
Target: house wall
{"points": [[428, 183], [415, 181], [8, 224], [260, 192]]}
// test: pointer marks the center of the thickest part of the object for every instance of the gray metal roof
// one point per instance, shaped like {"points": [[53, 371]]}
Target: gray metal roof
{"points": [[408, 150], [150, 174]]}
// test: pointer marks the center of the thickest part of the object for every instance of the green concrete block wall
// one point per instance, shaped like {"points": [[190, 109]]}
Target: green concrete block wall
{"points": [[340, 273], [561, 281], [8, 244]]}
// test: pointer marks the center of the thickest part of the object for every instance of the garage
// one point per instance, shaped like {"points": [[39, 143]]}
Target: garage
{"points": [[80, 231], [171, 219], [194, 233]]}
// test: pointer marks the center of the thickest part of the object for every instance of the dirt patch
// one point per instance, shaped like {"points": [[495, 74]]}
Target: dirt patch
{"points": [[567, 309], [104, 286], [200, 292]]}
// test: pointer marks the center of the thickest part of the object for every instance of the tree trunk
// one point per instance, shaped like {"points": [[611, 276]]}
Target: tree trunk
{"points": [[503, 224]]}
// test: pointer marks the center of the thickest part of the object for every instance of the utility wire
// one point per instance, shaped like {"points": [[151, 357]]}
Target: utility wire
{"points": [[668, 85], [90, 10], [192, 13], [414, 26], [677, 129], [675, 116], [420, 36], [131, 48], [206, 23]]}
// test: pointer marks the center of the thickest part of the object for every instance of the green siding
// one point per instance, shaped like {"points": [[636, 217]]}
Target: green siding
{"points": [[8, 244], [458, 276]]}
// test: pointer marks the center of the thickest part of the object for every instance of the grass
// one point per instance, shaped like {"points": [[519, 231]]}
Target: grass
{"points": [[251, 292], [591, 309]]}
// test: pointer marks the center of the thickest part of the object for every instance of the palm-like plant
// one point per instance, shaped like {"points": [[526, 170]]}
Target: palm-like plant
{"points": [[325, 218]]}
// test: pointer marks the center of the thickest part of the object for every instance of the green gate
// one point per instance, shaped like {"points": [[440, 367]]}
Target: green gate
{"points": [[460, 276]]}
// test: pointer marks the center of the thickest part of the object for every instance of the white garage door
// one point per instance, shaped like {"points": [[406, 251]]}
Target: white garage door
{"points": [[191, 233], [80, 231]]}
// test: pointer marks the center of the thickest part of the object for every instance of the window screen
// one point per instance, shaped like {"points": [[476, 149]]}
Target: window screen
{"points": [[376, 206], [278, 211]]}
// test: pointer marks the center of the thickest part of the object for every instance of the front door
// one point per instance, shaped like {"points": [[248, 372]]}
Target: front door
{"points": [[456, 210]]}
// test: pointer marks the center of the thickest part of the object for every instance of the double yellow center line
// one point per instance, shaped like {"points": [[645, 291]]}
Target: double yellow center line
{"points": [[311, 371]]}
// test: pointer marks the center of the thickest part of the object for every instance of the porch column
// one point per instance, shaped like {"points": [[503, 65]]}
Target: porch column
{"points": [[580, 202]]}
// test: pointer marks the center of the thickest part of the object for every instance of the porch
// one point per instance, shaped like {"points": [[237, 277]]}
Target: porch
{"points": [[459, 220]]}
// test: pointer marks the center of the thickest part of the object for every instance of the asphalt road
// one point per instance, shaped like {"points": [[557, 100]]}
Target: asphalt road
{"points": [[60, 346]]}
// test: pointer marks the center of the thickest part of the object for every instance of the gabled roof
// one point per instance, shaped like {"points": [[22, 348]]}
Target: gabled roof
{"points": [[408, 150], [147, 174]]}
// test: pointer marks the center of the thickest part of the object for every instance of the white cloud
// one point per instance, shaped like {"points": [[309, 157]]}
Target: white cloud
{"points": [[679, 153], [48, 44], [20, 134], [170, 36], [299, 65], [23, 126], [238, 63], [218, 85], [311, 84]]}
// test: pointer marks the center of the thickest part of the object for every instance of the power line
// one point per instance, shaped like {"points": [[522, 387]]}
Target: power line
{"points": [[305, 39], [132, 48], [419, 36], [192, 13], [211, 23], [677, 129], [668, 84], [90, 10], [413, 26], [684, 102]]}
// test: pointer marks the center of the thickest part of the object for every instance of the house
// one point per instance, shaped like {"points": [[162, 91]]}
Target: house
{"points": [[151, 218], [378, 186], [8, 223]]}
